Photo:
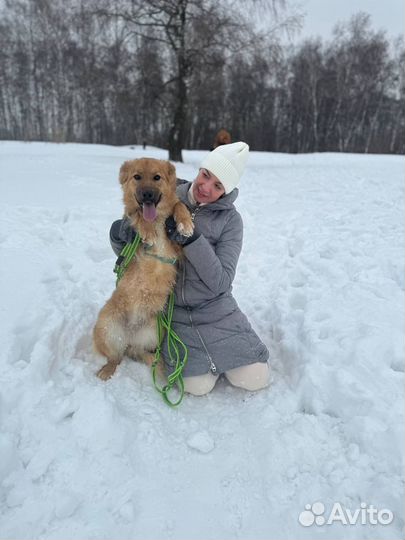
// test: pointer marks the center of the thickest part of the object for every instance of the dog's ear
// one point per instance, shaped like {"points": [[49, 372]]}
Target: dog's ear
{"points": [[171, 172], [124, 172]]}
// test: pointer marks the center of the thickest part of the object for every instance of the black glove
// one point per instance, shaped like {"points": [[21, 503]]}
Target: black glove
{"points": [[126, 233], [175, 236], [121, 233]]}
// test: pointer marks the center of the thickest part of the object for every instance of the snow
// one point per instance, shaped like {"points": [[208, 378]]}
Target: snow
{"points": [[321, 279], [201, 441]]}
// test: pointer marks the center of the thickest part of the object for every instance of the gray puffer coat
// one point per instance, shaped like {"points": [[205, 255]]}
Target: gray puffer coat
{"points": [[206, 316]]}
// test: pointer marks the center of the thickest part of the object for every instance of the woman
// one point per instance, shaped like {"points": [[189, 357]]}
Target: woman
{"points": [[206, 316]]}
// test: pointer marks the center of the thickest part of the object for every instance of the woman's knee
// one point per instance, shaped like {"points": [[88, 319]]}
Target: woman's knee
{"points": [[251, 377], [200, 384]]}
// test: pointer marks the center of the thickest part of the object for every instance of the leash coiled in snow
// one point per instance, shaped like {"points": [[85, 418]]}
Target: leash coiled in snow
{"points": [[163, 322]]}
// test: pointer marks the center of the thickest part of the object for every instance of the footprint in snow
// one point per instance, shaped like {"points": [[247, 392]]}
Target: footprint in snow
{"points": [[298, 301]]}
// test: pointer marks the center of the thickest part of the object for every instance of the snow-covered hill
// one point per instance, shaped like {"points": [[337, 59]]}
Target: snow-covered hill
{"points": [[321, 279]]}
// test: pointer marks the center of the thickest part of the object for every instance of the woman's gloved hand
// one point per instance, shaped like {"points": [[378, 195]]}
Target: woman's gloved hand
{"points": [[126, 233], [121, 233], [175, 236]]}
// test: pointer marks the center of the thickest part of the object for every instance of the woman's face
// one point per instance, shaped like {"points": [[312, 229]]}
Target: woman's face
{"points": [[206, 187]]}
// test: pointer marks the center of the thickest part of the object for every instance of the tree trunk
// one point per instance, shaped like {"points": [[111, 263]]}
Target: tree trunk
{"points": [[177, 131]]}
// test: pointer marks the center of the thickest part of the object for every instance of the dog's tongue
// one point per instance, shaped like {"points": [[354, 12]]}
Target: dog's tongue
{"points": [[149, 212]]}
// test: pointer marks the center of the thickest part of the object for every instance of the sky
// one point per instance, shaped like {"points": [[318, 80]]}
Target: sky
{"points": [[322, 15]]}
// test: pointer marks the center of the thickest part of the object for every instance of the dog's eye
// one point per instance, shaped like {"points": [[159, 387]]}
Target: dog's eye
{"points": [[137, 177], [156, 177]]}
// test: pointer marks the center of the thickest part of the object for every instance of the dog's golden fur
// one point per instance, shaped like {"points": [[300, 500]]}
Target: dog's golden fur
{"points": [[127, 323]]}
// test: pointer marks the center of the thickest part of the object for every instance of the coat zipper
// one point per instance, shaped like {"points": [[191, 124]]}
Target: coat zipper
{"points": [[213, 367]]}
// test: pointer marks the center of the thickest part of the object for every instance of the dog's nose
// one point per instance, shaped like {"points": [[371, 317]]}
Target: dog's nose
{"points": [[148, 196]]}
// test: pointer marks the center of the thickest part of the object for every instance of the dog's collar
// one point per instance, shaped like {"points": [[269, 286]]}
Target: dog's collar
{"points": [[167, 260]]}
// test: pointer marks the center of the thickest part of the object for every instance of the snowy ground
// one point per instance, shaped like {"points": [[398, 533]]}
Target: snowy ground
{"points": [[321, 278]]}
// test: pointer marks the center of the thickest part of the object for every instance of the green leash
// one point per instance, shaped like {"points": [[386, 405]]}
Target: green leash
{"points": [[125, 257], [173, 343], [163, 322]]}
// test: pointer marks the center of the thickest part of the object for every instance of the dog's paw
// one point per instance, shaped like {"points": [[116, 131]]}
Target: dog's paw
{"points": [[107, 371], [185, 229], [147, 357]]}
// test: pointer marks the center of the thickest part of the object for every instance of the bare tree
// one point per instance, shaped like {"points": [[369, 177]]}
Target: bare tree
{"points": [[172, 73], [192, 32]]}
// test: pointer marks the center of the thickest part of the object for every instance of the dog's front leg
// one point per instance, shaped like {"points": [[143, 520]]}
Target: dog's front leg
{"points": [[182, 217]]}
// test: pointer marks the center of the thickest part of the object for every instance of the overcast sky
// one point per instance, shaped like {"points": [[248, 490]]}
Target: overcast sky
{"points": [[322, 15]]}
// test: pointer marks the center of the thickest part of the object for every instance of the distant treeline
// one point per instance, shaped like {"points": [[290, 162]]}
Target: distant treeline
{"points": [[74, 71]]}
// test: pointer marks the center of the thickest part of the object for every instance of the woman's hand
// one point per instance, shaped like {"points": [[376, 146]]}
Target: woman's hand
{"points": [[121, 233], [126, 232]]}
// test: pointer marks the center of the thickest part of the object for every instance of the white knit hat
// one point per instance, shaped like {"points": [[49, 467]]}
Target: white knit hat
{"points": [[227, 163]]}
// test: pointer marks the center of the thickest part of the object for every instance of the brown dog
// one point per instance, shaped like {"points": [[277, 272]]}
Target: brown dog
{"points": [[127, 323]]}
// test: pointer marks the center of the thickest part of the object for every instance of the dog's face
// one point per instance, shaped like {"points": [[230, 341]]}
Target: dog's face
{"points": [[149, 187]]}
